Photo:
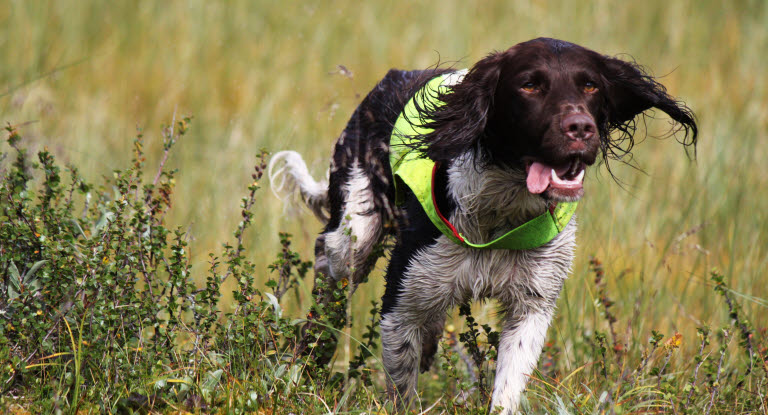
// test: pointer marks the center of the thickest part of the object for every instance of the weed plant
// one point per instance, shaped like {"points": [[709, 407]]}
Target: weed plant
{"points": [[100, 312]]}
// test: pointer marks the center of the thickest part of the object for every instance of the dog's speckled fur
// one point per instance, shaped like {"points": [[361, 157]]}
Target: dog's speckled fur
{"points": [[485, 135]]}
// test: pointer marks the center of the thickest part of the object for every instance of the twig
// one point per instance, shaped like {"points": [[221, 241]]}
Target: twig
{"points": [[167, 148], [696, 370], [717, 378], [456, 346], [246, 213]]}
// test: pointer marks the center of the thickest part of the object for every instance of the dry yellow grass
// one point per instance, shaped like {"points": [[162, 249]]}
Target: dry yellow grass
{"points": [[266, 74]]}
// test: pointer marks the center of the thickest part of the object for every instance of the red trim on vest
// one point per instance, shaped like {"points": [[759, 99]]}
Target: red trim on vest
{"points": [[552, 207], [434, 203]]}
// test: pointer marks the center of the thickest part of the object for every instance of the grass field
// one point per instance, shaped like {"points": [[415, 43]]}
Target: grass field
{"points": [[80, 76]]}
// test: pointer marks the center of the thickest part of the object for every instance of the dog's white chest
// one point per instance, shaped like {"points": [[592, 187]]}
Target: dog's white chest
{"points": [[447, 270]]}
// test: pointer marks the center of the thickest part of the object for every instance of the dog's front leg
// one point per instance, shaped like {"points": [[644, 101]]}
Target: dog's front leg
{"points": [[401, 353], [520, 345]]}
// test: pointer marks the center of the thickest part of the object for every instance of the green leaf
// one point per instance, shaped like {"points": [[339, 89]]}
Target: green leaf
{"points": [[212, 379], [275, 304], [79, 228], [29, 276], [14, 290], [185, 385], [106, 216], [279, 371]]}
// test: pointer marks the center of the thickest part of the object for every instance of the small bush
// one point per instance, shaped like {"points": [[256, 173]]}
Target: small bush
{"points": [[98, 306], [99, 311]]}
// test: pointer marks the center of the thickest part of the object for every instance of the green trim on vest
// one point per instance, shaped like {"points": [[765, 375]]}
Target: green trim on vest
{"points": [[410, 168]]}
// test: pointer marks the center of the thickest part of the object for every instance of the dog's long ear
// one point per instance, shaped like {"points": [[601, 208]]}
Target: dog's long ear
{"points": [[630, 92], [459, 123]]}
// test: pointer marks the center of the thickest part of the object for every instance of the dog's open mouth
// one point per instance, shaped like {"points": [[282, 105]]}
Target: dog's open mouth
{"points": [[562, 182]]}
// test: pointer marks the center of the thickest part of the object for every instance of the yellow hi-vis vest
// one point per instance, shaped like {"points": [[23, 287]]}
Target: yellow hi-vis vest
{"points": [[411, 168]]}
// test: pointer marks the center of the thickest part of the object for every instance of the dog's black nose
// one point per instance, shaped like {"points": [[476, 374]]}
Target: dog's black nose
{"points": [[578, 126]]}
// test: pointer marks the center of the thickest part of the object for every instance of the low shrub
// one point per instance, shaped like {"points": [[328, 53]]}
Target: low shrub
{"points": [[100, 312]]}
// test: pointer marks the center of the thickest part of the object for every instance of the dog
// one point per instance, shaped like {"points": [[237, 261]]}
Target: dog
{"points": [[449, 164]]}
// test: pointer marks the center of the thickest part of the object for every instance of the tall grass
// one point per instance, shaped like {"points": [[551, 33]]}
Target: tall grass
{"points": [[79, 76]]}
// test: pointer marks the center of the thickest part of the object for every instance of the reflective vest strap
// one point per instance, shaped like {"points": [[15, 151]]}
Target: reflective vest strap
{"points": [[412, 169]]}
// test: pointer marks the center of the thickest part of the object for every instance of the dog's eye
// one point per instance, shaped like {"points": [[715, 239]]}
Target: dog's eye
{"points": [[589, 87], [529, 87]]}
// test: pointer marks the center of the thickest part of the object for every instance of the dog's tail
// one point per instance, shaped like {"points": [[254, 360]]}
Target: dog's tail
{"points": [[292, 178]]}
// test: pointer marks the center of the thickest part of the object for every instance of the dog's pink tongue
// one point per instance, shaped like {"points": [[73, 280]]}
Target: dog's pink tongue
{"points": [[538, 177]]}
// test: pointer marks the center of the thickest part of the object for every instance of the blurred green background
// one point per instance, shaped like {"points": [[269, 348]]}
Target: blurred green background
{"points": [[82, 75]]}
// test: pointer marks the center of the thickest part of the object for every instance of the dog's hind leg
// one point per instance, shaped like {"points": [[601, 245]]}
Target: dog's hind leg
{"points": [[321, 261], [342, 253], [348, 247], [326, 305]]}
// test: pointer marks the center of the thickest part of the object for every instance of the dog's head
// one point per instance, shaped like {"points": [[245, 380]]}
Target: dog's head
{"points": [[549, 107]]}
